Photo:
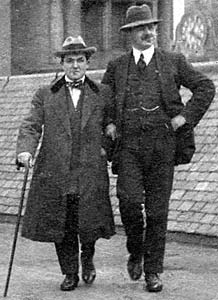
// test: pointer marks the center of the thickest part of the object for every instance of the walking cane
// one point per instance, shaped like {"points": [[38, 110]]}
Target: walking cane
{"points": [[17, 227]]}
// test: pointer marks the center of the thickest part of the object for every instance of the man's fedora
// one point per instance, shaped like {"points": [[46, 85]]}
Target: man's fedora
{"points": [[137, 16], [75, 45]]}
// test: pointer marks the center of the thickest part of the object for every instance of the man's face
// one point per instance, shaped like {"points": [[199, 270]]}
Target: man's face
{"points": [[142, 37], [75, 65]]}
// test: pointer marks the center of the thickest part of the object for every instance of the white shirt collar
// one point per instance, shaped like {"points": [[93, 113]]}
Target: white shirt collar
{"points": [[67, 79], [148, 53]]}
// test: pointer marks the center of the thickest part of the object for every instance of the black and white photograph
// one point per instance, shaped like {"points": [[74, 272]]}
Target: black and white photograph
{"points": [[109, 150]]}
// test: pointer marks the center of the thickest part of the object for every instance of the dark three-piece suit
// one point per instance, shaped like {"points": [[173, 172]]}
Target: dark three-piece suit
{"points": [[145, 101]]}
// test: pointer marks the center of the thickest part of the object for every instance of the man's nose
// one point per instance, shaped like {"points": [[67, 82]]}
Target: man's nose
{"points": [[75, 64], [146, 29]]}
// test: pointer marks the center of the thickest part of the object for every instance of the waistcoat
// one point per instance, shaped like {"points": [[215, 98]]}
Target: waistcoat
{"points": [[75, 124], [143, 105]]}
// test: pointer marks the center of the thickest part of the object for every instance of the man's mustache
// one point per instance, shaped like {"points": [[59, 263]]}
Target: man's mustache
{"points": [[148, 37]]}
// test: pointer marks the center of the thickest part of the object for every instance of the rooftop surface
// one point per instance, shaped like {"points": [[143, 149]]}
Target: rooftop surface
{"points": [[194, 200]]}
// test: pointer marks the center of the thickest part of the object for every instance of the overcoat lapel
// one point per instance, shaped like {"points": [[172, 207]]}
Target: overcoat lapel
{"points": [[59, 105], [89, 102]]}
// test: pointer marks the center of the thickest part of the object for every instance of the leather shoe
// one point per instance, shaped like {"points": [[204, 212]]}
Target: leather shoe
{"points": [[88, 271], [134, 267], [153, 282], [70, 282]]}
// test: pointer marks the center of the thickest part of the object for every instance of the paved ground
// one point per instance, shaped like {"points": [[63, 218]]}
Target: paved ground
{"points": [[191, 272]]}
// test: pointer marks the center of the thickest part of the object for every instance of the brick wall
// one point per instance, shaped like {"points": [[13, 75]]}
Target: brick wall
{"points": [[5, 33]]}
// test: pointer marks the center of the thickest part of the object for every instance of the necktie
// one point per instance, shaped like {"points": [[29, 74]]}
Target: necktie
{"points": [[141, 63], [76, 84]]}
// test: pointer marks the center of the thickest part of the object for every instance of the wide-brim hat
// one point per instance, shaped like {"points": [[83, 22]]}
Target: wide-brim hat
{"points": [[137, 16], [75, 45]]}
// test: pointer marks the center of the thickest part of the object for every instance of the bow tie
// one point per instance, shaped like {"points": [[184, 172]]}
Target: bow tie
{"points": [[76, 84]]}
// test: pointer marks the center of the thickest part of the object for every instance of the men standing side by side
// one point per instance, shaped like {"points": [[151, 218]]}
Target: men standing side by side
{"points": [[149, 113], [68, 199]]}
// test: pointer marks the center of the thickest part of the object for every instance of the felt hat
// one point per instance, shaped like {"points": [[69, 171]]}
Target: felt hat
{"points": [[138, 15], [75, 45]]}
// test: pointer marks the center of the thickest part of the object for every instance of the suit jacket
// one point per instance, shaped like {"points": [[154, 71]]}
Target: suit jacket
{"points": [[44, 218], [173, 72]]}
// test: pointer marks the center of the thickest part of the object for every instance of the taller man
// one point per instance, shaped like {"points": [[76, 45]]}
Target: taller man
{"points": [[149, 112]]}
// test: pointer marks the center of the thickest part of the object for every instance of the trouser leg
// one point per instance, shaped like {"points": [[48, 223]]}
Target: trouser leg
{"points": [[158, 185], [88, 268], [149, 169], [68, 250], [87, 250], [156, 207], [130, 194], [87, 254]]}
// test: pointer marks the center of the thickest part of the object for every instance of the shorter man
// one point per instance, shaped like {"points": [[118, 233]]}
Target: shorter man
{"points": [[69, 193]]}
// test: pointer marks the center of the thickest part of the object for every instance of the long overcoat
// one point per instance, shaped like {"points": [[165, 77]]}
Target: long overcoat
{"points": [[45, 214]]}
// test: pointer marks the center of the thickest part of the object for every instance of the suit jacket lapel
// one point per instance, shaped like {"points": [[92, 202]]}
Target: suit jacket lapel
{"points": [[122, 76], [121, 85], [165, 76], [161, 68]]}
